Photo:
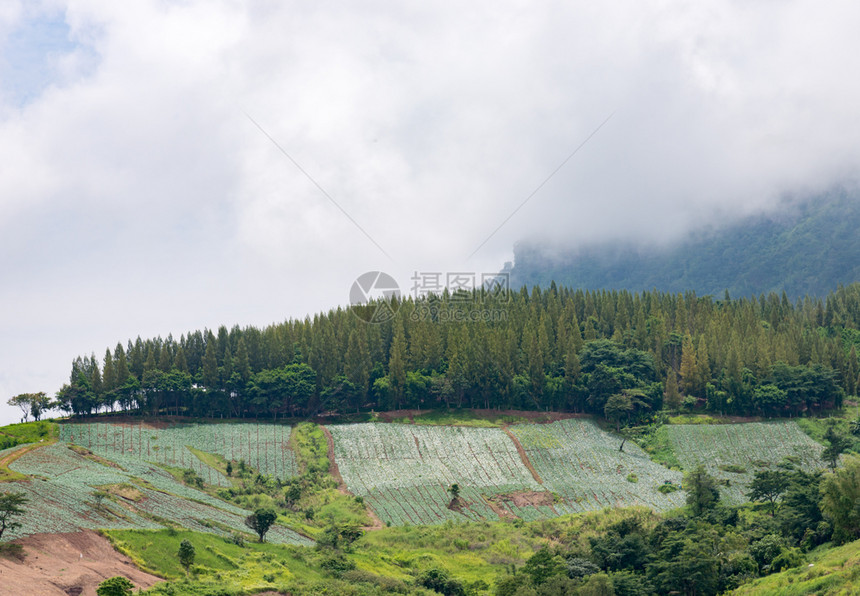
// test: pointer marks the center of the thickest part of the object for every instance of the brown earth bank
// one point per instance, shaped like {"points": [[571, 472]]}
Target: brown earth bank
{"points": [[71, 564], [530, 415], [526, 498], [375, 522]]}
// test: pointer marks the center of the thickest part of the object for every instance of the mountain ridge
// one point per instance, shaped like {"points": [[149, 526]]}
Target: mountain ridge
{"points": [[807, 249]]}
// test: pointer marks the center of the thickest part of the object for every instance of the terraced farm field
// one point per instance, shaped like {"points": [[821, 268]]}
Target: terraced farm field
{"points": [[264, 447], [582, 463], [403, 471], [64, 482], [752, 446]]}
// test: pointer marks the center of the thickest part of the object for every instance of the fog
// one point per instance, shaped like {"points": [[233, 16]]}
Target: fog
{"points": [[138, 197]]}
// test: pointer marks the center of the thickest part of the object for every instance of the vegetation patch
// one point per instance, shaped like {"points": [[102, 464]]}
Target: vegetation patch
{"points": [[125, 491], [471, 418], [731, 452]]}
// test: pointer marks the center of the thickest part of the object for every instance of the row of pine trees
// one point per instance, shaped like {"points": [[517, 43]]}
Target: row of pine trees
{"points": [[554, 348]]}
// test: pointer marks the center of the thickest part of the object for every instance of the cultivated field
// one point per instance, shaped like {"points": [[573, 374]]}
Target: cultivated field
{"points": [[404, 471], [582, 463], [752, 446], [64, 483], [263, 447]]}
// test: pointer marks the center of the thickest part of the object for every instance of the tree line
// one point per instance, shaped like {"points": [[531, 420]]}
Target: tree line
{"points": [[614, 353]]}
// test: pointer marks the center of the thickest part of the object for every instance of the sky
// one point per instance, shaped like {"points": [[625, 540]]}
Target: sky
{"points": [[167, 166]]}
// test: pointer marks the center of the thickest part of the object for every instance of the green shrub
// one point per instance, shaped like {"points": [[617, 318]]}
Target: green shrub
{"points": [[115, 586]]}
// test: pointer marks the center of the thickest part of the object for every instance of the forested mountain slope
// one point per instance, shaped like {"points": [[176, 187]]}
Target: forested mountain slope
{"points": [[616, 354], [809, 248]]}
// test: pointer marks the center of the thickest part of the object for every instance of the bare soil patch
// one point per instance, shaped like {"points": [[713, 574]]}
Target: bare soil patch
{"points": [[399, 414], [126, 491], [332, 464], [457, 504], [499, 510], [531, 416], [67, 564], [525, 458], [526, 498]]}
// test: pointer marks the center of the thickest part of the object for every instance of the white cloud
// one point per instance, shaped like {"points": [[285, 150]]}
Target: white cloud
{"points": [[137, 198]]}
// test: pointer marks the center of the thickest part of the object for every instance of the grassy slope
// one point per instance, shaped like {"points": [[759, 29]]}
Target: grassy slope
{"points": [[471, 552], [833, 571], [33, 434]]}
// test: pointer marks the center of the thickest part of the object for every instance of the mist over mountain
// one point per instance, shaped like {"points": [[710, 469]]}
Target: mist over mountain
{"points": [[806, 247]]}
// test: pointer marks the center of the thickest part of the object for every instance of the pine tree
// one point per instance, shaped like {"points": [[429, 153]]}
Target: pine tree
{"points": [[703, 371], [397, 366], [210, 363], [672, 395], [242, 361], [180, 363], [165, 359], [136, 358], [109, 373], [689, 367], [122, 372], [357, 363]]}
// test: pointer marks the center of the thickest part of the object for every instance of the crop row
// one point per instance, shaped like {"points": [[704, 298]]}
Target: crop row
{"points": [[63, 484], [263, 447], [746, 448], [404, 471], [584, 466]]}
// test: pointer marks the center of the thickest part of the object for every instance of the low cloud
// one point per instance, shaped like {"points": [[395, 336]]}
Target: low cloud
{"points": [[137, 197]]}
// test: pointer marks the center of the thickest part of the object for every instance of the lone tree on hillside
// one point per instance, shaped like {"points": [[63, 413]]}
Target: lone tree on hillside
{"points": [[31, 404], [10, 507], [186, 554], [260, 521]]}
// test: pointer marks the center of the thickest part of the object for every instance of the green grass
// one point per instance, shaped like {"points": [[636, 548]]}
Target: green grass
{"points": [[478, 551], [827, 572], [217, 560], [462, 418], [387, 558], [28, 432], [697, 419], [656, 443], [214, 461], [816, 427]]}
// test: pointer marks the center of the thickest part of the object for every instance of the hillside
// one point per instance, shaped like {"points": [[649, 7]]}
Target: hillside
{"points": [[369, 508], [803, 249]]}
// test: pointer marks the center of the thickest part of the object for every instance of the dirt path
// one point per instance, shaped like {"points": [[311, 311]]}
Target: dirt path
{"points": [[375, 522], [523, 456], [72, 564]]}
